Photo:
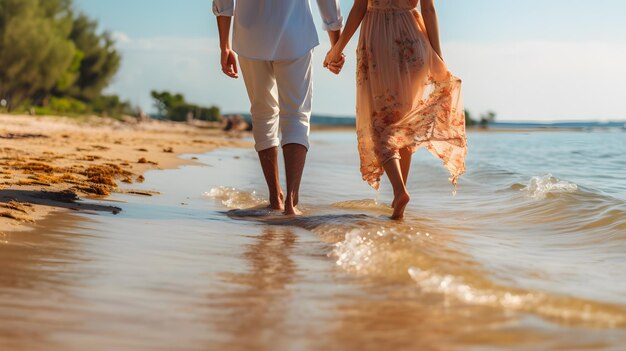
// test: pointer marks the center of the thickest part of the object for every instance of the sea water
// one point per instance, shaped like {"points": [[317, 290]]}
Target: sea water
{"points": [[529, 254]]}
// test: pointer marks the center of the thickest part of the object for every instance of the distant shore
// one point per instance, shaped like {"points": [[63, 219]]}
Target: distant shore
{"points": [[48, 163], [342, 128]]}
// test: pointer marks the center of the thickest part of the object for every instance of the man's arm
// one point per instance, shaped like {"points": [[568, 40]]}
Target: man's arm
{"points": [[331, 16], [334, 35], [333, 21], [359, 8], [224, 10]]}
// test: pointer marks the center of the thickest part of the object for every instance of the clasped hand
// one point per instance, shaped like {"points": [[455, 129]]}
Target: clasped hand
{"points": [[334, 60]]}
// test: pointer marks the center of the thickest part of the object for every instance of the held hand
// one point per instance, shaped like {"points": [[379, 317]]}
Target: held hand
{"points": [[336, 67], [229, 63], [334, 61]]}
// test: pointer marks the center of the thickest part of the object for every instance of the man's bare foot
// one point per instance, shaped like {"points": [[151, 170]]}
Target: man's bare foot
{"points": [[277, 204], [292, 211], [400, 201], [290, 207]]}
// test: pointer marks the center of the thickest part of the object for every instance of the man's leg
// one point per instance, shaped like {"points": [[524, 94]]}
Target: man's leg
{"points": [[269, 164], [260, 84], [294, 81], [295, 156]]}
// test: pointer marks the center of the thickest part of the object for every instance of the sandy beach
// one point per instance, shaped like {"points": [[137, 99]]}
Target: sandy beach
{"points": [[48, 163]]}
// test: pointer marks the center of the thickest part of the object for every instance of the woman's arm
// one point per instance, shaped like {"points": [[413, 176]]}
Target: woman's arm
{"points": [[432, 24], [352, 24]]}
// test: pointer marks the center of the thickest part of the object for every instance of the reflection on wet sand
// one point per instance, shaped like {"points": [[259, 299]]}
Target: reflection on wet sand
{"points": [[396, 319], [36, 268], [401, 318], [251, 313]]}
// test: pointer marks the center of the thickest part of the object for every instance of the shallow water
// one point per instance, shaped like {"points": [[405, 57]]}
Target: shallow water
{"points": [[529, 255]]}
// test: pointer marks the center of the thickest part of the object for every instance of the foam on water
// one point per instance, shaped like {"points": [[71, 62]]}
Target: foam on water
{"points": [[234, 198], [486, 293], [437, 268], [540, 187], [415, 253], [377, 250]]}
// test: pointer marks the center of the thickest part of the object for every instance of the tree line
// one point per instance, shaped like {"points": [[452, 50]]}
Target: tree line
{"points": [[53, 59], [483, 121], [174, 107]]}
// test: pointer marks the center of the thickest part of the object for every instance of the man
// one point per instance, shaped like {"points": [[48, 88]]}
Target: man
{"points": [[274, 40]]}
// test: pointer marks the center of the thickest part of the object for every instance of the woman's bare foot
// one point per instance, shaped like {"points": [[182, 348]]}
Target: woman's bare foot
{"points": [[400, 201], [278, 203]]}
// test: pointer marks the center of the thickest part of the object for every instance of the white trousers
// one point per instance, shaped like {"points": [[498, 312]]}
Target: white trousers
{"points": [[280, 98]]}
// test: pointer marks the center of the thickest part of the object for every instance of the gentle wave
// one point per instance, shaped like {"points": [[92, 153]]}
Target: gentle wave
{"points": [[422, 253], [566, 309], [436, 268], [540, 187]]}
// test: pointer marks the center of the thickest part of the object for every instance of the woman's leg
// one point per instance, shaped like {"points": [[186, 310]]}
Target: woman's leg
{"points": [[405, 163], [405, 166], [400, 195]]}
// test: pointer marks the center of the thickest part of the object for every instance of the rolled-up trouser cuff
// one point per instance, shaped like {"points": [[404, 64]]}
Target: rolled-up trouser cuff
{"points": [[295, 129], [266, 144], [304, 143]]}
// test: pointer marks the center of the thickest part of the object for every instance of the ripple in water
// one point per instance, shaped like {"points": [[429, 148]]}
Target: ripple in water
{"points": [[416, 253], [436, 268], [540, 187]]}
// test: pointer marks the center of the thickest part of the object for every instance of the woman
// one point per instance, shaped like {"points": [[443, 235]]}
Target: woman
{"points": [[406, 97]]}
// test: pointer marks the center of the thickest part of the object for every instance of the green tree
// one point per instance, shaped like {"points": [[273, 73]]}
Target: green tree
{"points": [[111, 106], [99, 60], [174, 107], [52, 58], [487, 118], [35, 50], [469, 121], [165, 102]]}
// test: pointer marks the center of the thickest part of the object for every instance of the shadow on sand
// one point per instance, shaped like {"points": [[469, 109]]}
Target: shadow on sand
{"points": [[59, 199]]}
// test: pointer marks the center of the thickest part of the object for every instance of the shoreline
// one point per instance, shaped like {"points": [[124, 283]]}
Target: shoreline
{"points": [[49, 163]]}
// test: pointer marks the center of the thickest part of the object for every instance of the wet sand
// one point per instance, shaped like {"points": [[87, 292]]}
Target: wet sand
{"points": [[506, 264], [48, 163], [190, 270]]}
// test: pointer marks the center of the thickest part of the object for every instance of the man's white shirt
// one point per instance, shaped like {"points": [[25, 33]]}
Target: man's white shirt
{"points": [[276, 29]]}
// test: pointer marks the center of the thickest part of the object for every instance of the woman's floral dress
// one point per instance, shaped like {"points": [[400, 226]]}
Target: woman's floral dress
{"points": [[406, 97]]}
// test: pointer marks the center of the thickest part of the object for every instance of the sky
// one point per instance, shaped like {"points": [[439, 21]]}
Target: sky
{"points": [[530, 60]]}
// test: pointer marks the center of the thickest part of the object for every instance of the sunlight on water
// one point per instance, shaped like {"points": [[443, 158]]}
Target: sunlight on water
{"points": [[428, 247], [365, 204], [550, 306], [529, 255]]}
